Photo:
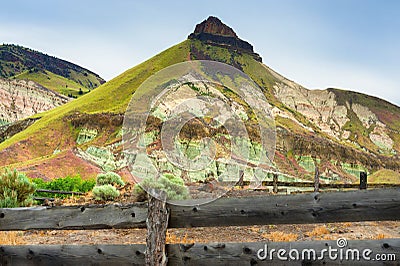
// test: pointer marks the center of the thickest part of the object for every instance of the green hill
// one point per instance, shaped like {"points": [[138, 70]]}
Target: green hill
{"points": [[56, 74]]}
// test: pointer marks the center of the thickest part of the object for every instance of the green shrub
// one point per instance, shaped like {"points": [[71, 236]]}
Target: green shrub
{"points": [[105, 192], [109, 178], [10, 200], [68, 183], [16, 190], [87, 185], [172, 185]]}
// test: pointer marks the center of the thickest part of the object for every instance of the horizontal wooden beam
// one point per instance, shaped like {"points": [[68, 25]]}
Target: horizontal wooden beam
{"points": [[322, 185], [360, 205], [246, 253], [74, 217], [43, 199], [199, 254], [365, 205], [72, 255], [60, 192]]}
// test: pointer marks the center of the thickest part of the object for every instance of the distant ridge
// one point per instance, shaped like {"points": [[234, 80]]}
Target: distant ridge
{"points": [[51, 72]]}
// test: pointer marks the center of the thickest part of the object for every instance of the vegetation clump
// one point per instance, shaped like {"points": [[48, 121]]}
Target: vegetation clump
{"points": [[105, 192], [105, 188], [68, 183], [109, 178], [173, 186], [16, 190]]}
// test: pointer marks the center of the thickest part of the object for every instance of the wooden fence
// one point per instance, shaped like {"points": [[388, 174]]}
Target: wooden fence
{"points": [[361, 205], [316, 184]]}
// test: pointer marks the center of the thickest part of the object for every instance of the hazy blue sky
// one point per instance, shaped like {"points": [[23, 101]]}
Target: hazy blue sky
{"points": [[351, 44]]}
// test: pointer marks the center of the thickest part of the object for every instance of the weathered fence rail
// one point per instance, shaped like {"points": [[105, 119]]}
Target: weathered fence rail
{"points": [[43, 199], [322, 185], [38, 198], [60, 192], [362, 205], [180, 254]]}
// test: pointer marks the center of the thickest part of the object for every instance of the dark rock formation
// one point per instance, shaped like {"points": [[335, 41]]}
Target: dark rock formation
{"points": [[213, 31], [214, 26]]}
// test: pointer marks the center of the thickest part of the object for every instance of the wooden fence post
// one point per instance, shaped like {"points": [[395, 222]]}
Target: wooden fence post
{"points": [[275, 183], [316, 180], [157, 223], [363, 180], [240, 182]]}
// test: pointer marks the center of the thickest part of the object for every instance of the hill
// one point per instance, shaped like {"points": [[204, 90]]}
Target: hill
{"points": [[17, 62], [341, 132]]}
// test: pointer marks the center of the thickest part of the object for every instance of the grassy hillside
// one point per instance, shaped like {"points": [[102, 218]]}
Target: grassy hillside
{"points": [[111, 97], [55, 82], [240, 60], [51, 72]]}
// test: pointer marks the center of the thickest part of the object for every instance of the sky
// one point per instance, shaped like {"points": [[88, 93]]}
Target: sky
{"points": [[347, 44]]}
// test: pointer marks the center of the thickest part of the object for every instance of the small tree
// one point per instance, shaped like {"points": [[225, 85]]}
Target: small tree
{"points": [[16, 190]]}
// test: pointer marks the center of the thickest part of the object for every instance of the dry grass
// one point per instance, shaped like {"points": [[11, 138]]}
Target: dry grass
{"points": [[319, 231], [278, 236], [11, 238], [380, 236], [255, 229], [175, 239], [347, 224], [328, 237]]}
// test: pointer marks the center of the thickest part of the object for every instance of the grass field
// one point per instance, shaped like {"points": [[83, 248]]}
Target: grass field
{"points": [[54, 82]]}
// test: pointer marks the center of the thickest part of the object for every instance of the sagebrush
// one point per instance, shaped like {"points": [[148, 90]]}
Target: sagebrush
{"points": [[172, 185], [105, 192], [16, 190], [109, 178]]}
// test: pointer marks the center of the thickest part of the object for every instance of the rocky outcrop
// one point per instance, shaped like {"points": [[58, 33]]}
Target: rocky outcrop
{"points": [[213, 31], [20, 99], [344, 121], [214, 26], [318, 106]]}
